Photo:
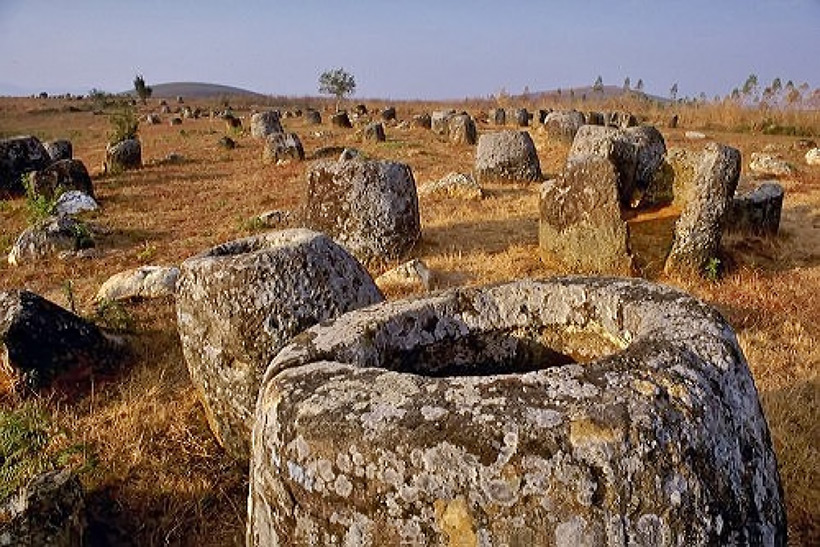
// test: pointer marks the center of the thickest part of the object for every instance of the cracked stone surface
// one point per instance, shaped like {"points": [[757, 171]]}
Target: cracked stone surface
{"points": [[569, 411], [240, 302]]}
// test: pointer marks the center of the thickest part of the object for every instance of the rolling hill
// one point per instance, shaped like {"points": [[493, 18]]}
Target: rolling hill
{"points": [[197, 90]]}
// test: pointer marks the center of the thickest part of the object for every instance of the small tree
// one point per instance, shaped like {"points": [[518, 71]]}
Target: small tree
{"points": [[599, 85], [143, 91], [639, 85], [673, 91], [626, 84], [338, 83]]}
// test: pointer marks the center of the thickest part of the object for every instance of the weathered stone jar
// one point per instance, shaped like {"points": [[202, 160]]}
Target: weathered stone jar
{"points": [[571, 411], [242, 301]]}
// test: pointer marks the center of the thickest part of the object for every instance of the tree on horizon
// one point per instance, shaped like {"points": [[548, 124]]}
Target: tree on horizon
{"points": [[337, 82], [143, 91]]}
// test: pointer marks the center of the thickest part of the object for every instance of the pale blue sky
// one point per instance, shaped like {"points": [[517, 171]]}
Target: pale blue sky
{"points": [[414, 49]]}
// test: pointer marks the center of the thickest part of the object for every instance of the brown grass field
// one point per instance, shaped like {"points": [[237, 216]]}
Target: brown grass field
{"points": [[153, 472]]}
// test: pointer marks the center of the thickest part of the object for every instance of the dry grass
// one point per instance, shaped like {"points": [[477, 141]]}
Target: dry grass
{"points": [[157, 476]]}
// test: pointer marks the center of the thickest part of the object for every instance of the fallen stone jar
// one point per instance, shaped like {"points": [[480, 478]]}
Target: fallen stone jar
{"points": [[568, 411]]}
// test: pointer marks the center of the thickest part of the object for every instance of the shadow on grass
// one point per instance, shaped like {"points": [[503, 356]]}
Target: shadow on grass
{"points": [[489, 236], [120, 515], [793, 414]]}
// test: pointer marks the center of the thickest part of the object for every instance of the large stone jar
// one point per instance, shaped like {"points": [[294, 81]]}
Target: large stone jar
{"points": [[571, 411], [240, 302]]}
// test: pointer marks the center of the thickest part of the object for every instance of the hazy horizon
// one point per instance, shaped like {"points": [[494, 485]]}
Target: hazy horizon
{"points": [[424, 49]]}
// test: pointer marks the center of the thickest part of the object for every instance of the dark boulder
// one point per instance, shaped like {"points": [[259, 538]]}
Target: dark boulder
{"points": [[341, 119], [123, 155], [42, 341], [61, 176], [282, 147], [18, 156]]}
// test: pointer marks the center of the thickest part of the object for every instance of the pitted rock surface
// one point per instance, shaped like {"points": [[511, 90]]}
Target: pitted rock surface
{"points": [[42, 341], [61, 176], [462, 417], [370, 207], [61, 149], [266, 123], [18, 156], [123, 155], [507, 156], [698, 230], [50, 236], [142, 282], [580, 224], [48, 511], [240, 302]]}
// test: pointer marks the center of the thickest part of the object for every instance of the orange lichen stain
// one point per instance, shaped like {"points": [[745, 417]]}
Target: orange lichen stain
{"points": [[454, 519], [585, 431]]}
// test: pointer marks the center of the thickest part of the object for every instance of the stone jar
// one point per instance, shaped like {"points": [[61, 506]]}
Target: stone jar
{"points": [[569, 411], [240, 302]]}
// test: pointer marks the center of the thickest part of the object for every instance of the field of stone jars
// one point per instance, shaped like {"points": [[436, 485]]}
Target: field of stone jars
{"points": [[409, 323]]}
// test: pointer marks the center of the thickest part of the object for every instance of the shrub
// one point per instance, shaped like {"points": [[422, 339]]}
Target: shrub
{"points": [[114, 316], [38, 206], [30, 444], [124, 125]]}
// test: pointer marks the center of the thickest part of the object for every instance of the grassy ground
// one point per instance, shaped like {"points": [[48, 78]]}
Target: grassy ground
{"points": [[154, 473]]}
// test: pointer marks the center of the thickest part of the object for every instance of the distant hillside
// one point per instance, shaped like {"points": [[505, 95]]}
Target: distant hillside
{"points": [[196, 90]]}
